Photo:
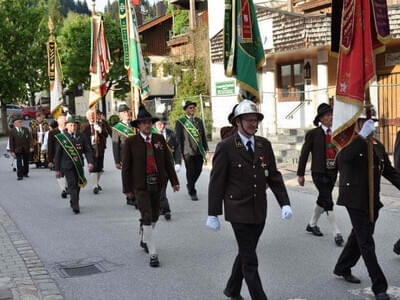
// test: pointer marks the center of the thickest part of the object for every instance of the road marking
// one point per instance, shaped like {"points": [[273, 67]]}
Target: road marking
{"points": [[367, 294]]}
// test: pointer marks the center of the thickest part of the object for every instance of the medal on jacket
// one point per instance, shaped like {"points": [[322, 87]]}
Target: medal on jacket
{"points": [[264, 165]]}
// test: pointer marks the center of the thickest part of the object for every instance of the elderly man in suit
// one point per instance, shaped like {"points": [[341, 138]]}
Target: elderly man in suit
{"points": [[243, 165], [146, 167], [191, 136], [352, 163], [176, 157], [323, 170], [21, 147], [68, 160]]}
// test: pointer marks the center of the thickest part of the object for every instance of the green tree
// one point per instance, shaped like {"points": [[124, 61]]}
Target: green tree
{"points": [[74, 43], [23, 59]]}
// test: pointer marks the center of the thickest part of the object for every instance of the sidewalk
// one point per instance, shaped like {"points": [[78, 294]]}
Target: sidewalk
{"points": [[22, 274]]}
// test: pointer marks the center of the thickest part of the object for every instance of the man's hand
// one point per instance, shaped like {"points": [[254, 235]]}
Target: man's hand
{"points": [[286, 212], [90, 167], [367, 129], [177, 168], [213, 223], [51, 165], [301, 180], [30, 149], [176, 188], [129, 195], [97, 128], [58, 174], [118, 166], [208, 156], [12, 154]]}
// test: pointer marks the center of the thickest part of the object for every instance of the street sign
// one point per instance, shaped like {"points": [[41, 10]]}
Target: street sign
{"points": [[225, 88]]}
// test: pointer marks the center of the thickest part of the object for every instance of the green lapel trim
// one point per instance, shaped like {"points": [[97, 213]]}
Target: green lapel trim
{"points": [[73, 154], [194, 134], [123, 129]]}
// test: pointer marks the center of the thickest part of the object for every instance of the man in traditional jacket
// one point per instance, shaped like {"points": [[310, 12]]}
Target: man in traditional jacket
{"points": [[39, 127], [323, 170], [68, 160], [176, 157], [120, 132], [96, 132], [146, 167], [192, 140], [352, 162], [243, 165], [20, 147], [51, 151]]}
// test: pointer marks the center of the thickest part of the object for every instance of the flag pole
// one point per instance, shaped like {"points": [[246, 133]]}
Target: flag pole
{"points": [[96, 147], [370, 160]]}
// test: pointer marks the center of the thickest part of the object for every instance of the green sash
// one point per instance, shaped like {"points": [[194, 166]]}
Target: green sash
{"points": [[73, 153], [194, 133], [123, 129]]}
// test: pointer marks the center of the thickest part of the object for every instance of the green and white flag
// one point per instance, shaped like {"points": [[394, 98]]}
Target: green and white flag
{"points": [[243, 48], [133, 58]]}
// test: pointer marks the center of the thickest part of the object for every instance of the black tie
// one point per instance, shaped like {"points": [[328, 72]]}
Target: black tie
{"points": [[250, 150]]}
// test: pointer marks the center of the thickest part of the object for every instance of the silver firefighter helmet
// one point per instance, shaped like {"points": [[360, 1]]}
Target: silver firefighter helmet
{"points": [[247, 107]]}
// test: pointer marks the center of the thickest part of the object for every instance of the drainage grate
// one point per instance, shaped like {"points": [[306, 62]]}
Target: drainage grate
{"points": [[81, 270]]}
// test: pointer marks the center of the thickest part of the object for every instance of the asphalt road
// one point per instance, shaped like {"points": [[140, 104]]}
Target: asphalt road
{"points": [[195, 261]]}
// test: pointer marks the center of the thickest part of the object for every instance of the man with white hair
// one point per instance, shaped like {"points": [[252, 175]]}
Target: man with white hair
{"points": [[96, 133], [51, 151]]}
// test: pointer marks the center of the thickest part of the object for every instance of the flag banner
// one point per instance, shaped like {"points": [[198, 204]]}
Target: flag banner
{"points": [[99, 64], [243, 49], [356, 68], [55, 77], [133, 57]]}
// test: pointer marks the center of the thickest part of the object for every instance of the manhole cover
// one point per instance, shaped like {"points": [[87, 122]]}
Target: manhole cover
{"points": [[81, 270]]}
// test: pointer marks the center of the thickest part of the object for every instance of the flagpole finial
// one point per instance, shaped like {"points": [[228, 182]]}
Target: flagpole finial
{"points": [[93, 7]]}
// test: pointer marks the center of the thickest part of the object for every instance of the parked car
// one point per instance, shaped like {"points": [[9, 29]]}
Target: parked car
{"points": [[29, 112], [14, 108]]}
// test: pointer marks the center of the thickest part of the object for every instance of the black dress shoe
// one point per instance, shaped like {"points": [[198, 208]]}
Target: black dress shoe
{"points": [[26, 175], [239, 297], [96, 190], [76, 211], [20, 178], [396, 247], [154, 262], [63, 194], [348, 277], [194, 197], [144, 246], [99, 187], [314, 230], [15, 169], [339, 239], [382, 296], [167, 216]]}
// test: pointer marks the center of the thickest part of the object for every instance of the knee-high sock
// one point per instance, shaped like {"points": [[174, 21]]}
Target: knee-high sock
{"points": [[332, 222], [148, 239], [318, 210], [95, 177], [62, 183]]}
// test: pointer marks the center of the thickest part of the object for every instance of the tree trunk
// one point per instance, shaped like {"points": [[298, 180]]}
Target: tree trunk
{"points": [[4, 123]]}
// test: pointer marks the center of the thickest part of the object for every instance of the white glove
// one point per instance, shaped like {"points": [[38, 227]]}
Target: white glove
{"points": [[97, 128], [367, 129], [213, 223], [286, 212], [177, 168]]}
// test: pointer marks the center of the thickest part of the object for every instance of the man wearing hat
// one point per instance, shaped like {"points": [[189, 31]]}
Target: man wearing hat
{"points": [[227, 131], [146, 167], [243, 165], [352, 162], [39, 127], [68, 160], [96, 132], [192, 140], [176, 158], [51, 151], [323, 170], [120, 132], [20, 147]]}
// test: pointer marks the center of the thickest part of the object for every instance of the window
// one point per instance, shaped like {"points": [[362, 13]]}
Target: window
{"points": [[291, 82]]}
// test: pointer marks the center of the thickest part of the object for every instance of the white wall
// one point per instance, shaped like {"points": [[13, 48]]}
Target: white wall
{"points": [[216, 9]]}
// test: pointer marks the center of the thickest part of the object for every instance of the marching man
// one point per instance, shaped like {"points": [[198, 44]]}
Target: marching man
{"points": [[243, 166]]}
